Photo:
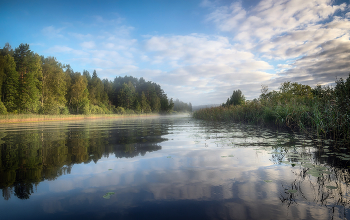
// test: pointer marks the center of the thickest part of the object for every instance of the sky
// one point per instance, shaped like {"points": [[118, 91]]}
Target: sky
{"points": [[198, 51]]}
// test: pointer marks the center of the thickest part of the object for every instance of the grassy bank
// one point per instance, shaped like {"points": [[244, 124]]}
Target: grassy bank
{"points": [[321, 111], [19, 118]]}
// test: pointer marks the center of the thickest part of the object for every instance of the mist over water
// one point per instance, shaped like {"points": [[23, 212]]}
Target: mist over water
{"points": [[171, 167]]}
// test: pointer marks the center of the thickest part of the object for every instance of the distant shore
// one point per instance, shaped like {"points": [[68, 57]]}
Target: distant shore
{"points": [[25, 118]]}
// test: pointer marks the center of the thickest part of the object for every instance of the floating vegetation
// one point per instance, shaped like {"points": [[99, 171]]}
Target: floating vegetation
{"points": [[308, 165], [292, 190], [168, 157], [108, 195], [332, 187], [267, 181], [110, 169], [318, 171]]}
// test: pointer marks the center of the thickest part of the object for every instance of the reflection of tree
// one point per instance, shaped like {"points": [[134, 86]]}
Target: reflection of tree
{"points": [[23, 190], [29, 157]]}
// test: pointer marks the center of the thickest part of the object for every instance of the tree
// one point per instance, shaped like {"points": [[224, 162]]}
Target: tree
{"points": [[10, 88], [7, 49], [28, 66], [155, 102], [79, 95], [127, 95], [146, 108], [53, 86], [237, 98]]}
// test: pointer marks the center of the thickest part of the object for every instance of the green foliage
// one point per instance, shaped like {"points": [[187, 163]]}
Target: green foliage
{"points": [[137, 106], [28, 66], [33, 84], [145, 107], [3, 109], [64, 110], [127, 95], [53, 85], [10, 87], [95, 109], [237, 98], [321, 111], [79, 95], [120, 110], [342, 95]]}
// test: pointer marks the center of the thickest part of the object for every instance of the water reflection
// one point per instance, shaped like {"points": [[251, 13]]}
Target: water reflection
{"points": [[194, 169], [33, 153]]}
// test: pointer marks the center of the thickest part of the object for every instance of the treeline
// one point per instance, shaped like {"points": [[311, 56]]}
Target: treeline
{"points": [[30, 83], [180, 106], [322, 111]]}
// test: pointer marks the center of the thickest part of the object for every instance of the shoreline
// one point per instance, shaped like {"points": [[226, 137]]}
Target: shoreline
{"points": [[51, 118]]}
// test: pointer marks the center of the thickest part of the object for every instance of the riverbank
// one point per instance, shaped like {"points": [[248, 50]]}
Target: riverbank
{"points": [[321, 112], [25, 118]]}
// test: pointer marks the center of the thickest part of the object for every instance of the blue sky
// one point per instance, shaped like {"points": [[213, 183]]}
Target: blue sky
{"points": [[199, 50]]}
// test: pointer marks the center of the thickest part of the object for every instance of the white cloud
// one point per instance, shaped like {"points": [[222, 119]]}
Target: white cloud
{"points": [[52, 32], [194, 49], [80, 36], [304, 31], [275, 41], [207, 68], [88, 45], [65, 49]]}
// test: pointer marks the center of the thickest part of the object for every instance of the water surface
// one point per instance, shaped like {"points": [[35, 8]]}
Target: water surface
{"points": [[168, 168]]}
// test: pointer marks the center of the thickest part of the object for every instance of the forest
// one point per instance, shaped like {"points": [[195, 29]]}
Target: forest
{"points": [[30, 83]]}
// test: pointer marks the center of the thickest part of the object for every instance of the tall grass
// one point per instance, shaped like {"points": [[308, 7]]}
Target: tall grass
{"points": [[321, 111]]}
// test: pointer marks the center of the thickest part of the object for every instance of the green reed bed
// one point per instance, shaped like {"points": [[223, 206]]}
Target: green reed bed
{"points": [[322, 111]]}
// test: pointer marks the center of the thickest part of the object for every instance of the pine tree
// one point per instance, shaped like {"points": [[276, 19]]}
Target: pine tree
{"points": [[10, 95], [144, 104], [29, 68], [127, 95]]}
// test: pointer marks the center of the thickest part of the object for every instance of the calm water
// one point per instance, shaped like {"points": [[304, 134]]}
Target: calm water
{"points": [[168, 168]]}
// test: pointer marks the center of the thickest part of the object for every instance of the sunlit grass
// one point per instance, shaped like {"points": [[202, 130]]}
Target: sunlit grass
{"points": [[17, 118]]}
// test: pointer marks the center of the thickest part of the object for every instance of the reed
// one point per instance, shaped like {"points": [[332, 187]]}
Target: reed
{"points": [[320, 112]]}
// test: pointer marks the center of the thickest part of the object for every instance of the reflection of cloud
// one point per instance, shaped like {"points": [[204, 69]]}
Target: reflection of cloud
{"points": [[52, 206]]}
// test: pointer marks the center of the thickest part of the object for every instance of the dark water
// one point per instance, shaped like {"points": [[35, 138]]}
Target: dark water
{"points": [[168, 168]]}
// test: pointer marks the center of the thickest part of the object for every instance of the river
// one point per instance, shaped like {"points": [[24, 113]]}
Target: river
{"points": [[169, 167]]}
